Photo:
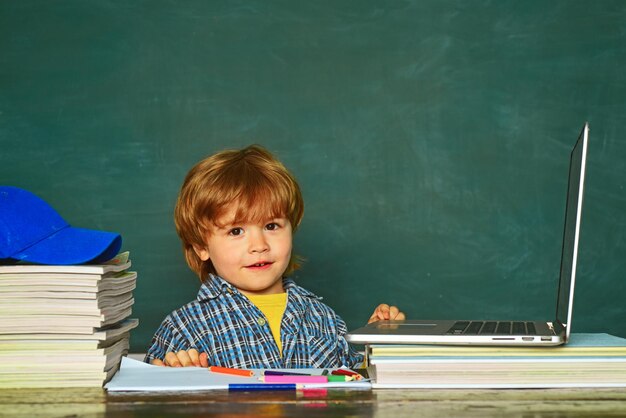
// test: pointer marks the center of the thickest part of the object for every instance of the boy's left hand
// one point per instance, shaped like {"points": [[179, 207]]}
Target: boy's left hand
{"points": [[183, 358], [384, 311]]}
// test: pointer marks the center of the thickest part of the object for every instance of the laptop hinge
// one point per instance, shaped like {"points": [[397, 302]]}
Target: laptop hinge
{"points": [[558, 327]]}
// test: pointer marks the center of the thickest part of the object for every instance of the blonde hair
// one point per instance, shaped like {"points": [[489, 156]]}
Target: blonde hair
{"points": [[253, 179]]}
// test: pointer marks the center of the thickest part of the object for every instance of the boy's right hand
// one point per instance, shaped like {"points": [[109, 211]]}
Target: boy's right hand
{"points": [[183, 358]]}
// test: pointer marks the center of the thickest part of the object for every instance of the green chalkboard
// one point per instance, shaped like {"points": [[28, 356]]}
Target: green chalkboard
{"points": [[431, 139]]}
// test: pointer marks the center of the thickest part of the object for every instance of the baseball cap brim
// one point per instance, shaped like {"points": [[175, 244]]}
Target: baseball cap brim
{"points": [[72, 245]]}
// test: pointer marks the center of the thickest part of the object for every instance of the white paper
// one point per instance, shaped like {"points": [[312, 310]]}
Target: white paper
{"points": [[136, 375]]}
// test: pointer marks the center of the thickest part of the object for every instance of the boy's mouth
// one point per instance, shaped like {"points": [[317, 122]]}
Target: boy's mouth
{"points": [[260, 264]]}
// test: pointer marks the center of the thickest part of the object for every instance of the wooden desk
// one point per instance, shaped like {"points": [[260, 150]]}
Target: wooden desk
{"points": [[355, 403]]}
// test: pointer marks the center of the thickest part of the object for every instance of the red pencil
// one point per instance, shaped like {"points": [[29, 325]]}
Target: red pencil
{"points": [[344, 372], [226, 370]]}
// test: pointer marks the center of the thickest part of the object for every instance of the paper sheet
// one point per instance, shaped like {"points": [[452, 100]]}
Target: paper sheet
{"points": [[139, 376]]}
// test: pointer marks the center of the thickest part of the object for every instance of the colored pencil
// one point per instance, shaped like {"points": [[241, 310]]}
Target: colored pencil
{"points": [[227, 370], [343, 372], [246, 387], [279, 373], [339, 378], [295, 379]]}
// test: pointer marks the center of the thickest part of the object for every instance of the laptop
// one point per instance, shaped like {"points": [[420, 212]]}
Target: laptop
{"points": [[501, 332]]}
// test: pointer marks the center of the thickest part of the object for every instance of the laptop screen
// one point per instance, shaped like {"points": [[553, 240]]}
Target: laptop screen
{"points": [[571, 234]]}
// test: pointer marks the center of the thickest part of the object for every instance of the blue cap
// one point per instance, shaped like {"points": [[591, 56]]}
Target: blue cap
{"points": [[32, 231]]}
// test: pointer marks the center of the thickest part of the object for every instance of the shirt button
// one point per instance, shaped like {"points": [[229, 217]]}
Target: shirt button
{"points": [[261, 321]]}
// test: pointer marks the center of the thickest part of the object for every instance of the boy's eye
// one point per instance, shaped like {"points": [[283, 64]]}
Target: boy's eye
{"points": [[272, 226], [235, 231]]}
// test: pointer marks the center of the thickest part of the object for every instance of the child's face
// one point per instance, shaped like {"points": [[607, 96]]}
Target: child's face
{"points": [[250, 256]]}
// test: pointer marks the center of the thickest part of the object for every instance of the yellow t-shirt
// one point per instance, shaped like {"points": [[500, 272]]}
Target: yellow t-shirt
{"points": [[273, 307]]}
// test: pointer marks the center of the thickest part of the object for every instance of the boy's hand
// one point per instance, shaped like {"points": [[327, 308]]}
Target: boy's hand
{"points": [[183, 358], [384, 311]]}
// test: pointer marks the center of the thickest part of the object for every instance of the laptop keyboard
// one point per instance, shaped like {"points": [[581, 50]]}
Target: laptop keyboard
{"points": [[492, 327]]}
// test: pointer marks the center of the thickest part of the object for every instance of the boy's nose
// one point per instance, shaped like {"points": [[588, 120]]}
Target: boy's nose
{"points": [[258, 243]]}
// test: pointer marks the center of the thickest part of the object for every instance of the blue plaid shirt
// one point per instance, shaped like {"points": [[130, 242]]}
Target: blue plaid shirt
{"points": [[234, 333]]}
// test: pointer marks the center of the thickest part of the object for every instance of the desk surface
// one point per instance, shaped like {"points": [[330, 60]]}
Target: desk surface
{"points": [[355, 403]]}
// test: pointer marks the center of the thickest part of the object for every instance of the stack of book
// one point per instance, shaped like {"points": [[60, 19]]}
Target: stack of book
{"points": [[64, 326], [587, 360]]}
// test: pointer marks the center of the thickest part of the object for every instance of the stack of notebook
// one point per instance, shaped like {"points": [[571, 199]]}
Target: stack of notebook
{"points": [[587, 360], [64, 325]]}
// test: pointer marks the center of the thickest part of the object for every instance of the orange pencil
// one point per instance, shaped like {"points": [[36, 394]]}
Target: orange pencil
{"points": [[226, 370]]}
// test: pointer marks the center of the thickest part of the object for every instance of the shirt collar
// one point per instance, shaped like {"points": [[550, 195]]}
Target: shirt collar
{"points": [[291, 287], [214, 286]]}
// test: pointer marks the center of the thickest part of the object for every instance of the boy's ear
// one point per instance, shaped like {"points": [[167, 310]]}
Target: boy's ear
{"points": [[203, 253]]}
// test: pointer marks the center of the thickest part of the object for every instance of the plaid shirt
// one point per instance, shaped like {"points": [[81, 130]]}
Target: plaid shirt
{"points": [[234, 333]]}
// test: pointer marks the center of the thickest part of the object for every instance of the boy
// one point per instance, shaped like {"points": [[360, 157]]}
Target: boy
{"points": [[235, 215]]}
